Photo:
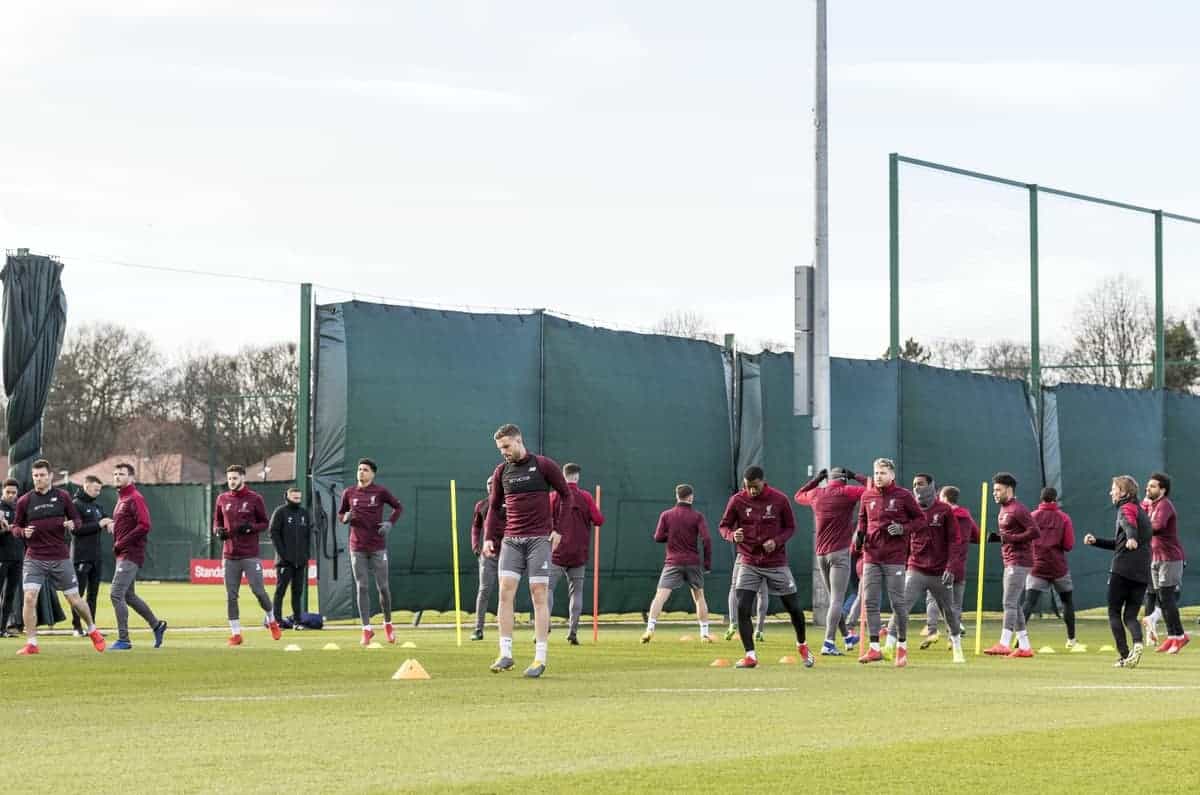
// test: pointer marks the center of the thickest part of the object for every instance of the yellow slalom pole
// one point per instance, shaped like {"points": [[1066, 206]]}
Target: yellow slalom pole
{"points": [[983, 513], [454, 547]]}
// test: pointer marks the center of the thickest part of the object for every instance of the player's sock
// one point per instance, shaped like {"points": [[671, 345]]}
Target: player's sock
{"points": [[902, 644], [366, 627], [235, 627], [91, 628], [270, 616], [1023, 639], [874, 645], [651, 623], [32, 641], [704, 629], [956, 641], [752, 654], [539, 651], [1006, 637], [506, 647], [1155, 616]]}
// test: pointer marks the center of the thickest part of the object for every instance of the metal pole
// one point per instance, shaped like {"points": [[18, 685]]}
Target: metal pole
{"points": [[821, 397], [894, 249], [1035, 342], [303, 393], [1160, 332]]}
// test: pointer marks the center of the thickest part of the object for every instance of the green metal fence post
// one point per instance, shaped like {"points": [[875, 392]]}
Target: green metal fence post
{"points": [[1160, 333], [894, 250], [1035, 342]]}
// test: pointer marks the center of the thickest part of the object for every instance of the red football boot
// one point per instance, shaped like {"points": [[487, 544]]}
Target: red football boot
{"points": [[368, 635], [390, 632], [870, 656], [276, 634], [901, 657], [1180, 643], [999, 650], [97, 640], [234, 640], [1020, 653], [1165, 646], [28, 648], [746, 662]]}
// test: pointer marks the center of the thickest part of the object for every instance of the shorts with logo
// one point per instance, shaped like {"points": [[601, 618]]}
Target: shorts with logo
{"points": [[674, 576], [779, 579], [1061, 585], [522, 556], [58, 574], [1166, 573]]}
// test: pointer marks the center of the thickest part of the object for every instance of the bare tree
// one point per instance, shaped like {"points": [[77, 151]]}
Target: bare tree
{"points": [[955, 353], [687, 323], [1114, 334], [775, 346], [105, 376]]}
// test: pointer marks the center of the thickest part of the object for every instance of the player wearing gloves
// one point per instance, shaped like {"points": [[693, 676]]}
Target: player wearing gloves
{"points": [[362, 509], [239, 516], [1018, 533]]}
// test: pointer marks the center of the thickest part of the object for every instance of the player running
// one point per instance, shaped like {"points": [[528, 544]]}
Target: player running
{"points": [[683, 530], [239, 517], [570, 557], [487, 566], [130, 527], [969, 531], [520, 529], [1018, 533], [1056, 537], [932, 544], [1166, 567], [362, 508], [833, 511], [887, 513], [43, 518], [759, 520], [1129, 572]]}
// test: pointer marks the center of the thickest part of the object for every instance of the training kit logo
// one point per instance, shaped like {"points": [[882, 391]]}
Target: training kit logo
{"points": [[767, 513]]}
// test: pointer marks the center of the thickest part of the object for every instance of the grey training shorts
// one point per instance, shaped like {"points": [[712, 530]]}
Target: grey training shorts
{"points": [[779, 579], [674, 576], [522, 556], [1061, 585], [58, 574], [1166, 573]]}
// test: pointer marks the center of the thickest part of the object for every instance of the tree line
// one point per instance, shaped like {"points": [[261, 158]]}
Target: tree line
{"points": [[116, 392]]}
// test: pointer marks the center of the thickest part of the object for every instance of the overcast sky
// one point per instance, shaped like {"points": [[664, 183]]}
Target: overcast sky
{"points": [[608, 160]]}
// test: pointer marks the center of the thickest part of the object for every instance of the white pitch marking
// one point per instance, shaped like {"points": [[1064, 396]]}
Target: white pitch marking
{"points": [[282, 697], [1122, 687], [718, 690]]}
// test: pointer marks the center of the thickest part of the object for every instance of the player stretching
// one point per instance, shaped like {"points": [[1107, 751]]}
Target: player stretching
{"points": [[886, 514], [43, 518], [1166, 569], [833, 511], [759, 520], [238, 518], [1056, 537], [969, 532], [683, 530], [520, 529], [362, 509], [1018, 533], [932, 544]]}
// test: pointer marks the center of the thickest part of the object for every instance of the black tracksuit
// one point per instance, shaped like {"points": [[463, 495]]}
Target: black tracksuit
{"points": [[1129, 573], [85, 553], [290, 533], [12, 556]]}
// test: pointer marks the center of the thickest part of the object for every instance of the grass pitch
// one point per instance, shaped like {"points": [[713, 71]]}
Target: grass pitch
{"points": [[195, 716]]}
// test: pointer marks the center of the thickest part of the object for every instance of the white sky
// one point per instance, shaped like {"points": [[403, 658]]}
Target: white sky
{"points": [[612, 161]]}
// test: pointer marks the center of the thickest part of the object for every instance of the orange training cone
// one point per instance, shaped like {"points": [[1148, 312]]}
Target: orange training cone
{"points": [[411, 669], [719, 663]]}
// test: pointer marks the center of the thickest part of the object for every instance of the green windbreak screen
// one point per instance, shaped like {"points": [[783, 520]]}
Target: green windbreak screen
{"points": [[1183, 440], [640, 413], [962, 428], [179, 529], [1102, 432], [864, 412]]}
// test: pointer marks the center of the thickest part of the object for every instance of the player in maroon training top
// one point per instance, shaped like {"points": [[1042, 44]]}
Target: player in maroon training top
{"points": [[1056, 537], [1166, 567], [362, 509], [520, 529], [43, 518], [683, 530], [1017, 534], [239, 518], [759, 520], [569, 559]]}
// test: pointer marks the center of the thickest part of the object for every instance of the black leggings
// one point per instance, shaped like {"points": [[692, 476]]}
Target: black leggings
{"points": [[1068, 608], [745, 610], [1168, 599], [87, 574], [1124, 601], [288, 575]]}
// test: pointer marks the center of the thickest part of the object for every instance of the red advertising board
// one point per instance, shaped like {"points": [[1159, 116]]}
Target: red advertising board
{"points": [[207, 571]]}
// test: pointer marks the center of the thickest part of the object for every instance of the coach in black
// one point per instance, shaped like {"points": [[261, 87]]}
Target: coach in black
{"points": [[85, 546], [12, 553], [290, 529]]}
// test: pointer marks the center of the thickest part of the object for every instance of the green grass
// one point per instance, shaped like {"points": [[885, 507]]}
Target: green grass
{"points": [[195, 716]]}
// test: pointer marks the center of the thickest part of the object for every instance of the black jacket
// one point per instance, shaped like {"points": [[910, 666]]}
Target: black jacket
{"points": [[290, 533], [85, 539], [11, 547], [1132, 522]]}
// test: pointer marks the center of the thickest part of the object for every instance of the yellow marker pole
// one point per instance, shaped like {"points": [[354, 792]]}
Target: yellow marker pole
{"points": [[454, 548], [983, 512]]}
